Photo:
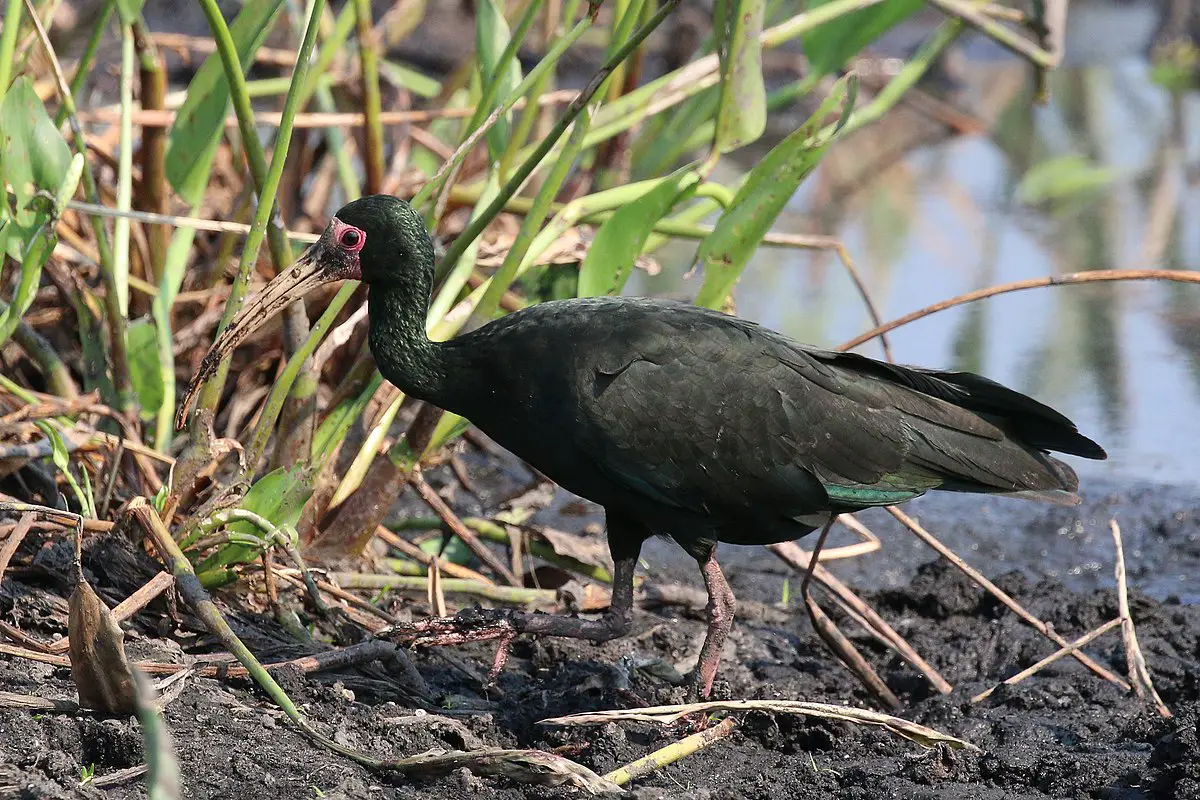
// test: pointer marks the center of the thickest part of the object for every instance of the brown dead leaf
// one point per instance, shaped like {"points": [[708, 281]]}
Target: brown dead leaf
{"points": [[589, 551], [522, 766], [198, 462], [99, 667]]}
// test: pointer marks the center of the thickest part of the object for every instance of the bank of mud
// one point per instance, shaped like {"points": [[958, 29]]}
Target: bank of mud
{"points": [[1062, 733]]}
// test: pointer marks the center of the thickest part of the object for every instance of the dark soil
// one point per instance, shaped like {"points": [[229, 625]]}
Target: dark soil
{"points": [[1062, 734]]}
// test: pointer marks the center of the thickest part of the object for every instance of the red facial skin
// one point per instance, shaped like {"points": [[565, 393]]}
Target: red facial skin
{"points": [[349, 238]]}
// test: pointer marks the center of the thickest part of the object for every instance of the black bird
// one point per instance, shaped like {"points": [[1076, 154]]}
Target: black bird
{"points": [[678, 420]]}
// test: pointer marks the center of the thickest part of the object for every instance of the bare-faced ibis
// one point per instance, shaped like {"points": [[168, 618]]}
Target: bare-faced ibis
{"points": [[680, 421]]}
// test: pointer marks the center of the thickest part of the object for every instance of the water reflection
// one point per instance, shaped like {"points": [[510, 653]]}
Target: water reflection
{"points": [[928, 217]]}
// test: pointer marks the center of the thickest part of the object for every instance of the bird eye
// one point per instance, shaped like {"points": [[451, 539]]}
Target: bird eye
{"points": [[350, 238]]}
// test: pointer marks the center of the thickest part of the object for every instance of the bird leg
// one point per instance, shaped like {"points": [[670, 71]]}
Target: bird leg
{"points": [[613, 625], [721, 607]]}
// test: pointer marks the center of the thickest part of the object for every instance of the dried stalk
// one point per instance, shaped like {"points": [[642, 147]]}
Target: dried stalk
{"points": [[1139, 674]]}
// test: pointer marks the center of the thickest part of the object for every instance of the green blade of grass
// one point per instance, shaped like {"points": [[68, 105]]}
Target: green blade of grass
{"points": [[200, 121], [266, 199], [619, 241], [726, 251], [831, 46], [742, 114], [499, 72], [8, 42], [124, 163]]}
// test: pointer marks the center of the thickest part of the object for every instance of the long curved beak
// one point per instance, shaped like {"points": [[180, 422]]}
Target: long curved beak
{"points": [[298, 280]]}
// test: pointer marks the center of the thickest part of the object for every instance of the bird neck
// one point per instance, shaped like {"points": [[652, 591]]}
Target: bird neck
{"points": [[404, 353]]}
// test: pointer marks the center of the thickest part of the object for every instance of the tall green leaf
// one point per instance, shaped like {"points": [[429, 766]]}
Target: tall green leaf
{"points": [[35, 244], [830, 46], [33, 157], [196, 133], [623, 236], [144, 371], [743, 113], [491, 39], [726, 251]]}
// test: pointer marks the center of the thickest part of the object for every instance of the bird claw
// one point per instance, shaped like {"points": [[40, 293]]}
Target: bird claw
{"points": [[498, 662]]}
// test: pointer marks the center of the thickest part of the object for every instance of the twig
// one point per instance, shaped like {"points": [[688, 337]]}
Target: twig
{"points": [[110, 484], [29, 702], [417, 554], [836, 640], [21, 637], [999, 594], [1082, 641], [502, 594], [791, 553], [672, 753], [435, 593], [460, 530], [120, 776], [14, 541], [314, 119], [667, 715], [129, 606], [1009, 39], [339, 593], [1069, 279], [216, 226], [1139, 675]]}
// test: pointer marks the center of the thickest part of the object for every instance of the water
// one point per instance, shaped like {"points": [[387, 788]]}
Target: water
{"points": [[1121, 359]]}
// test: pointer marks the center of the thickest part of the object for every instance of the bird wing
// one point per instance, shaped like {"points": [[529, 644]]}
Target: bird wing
{"points": [[708, 412]]}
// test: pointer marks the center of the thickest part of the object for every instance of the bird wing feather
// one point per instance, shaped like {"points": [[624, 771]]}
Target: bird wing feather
{"points": [[711, 413]]}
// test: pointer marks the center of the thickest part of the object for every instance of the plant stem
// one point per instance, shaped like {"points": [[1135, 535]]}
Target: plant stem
{"points": [[368, 56], [8, 42], [515, 595], [155, 191], [124, 172], [116, 321], [266, 197], [572, 111]]}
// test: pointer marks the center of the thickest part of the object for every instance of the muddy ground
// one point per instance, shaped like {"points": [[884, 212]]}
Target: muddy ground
{"points": [[1063, 733]]}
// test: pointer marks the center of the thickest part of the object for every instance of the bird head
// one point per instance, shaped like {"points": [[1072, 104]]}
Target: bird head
{"points": [[378, 239]]}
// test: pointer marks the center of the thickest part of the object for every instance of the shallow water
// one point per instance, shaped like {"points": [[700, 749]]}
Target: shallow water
{"points": [[1121, 359]]}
